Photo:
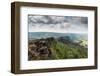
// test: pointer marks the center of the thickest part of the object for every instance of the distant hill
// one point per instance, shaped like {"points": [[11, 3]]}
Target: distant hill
{"points": [[71, 36]]}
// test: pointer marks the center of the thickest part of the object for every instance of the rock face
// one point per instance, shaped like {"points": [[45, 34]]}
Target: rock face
{"points": [[39, 49]]}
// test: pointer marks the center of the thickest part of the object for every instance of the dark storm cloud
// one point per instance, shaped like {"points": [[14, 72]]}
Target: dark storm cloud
{"points": [[47, 19], [67, 23]]}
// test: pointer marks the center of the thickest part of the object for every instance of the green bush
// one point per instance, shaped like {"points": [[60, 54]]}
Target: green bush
{"points": [[67, 51]]}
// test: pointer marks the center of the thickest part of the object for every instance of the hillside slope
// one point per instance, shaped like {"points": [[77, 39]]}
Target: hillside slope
{"points": [[51, 48]]}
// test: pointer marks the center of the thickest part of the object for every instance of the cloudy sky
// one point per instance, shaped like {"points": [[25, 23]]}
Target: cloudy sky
{"points": [[61, 24]]}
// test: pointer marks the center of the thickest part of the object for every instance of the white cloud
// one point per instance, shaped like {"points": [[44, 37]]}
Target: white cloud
{"points": [[57, 24]]}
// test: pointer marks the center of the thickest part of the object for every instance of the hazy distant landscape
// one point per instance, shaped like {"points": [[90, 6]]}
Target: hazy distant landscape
{"points": [[50, 45]]}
